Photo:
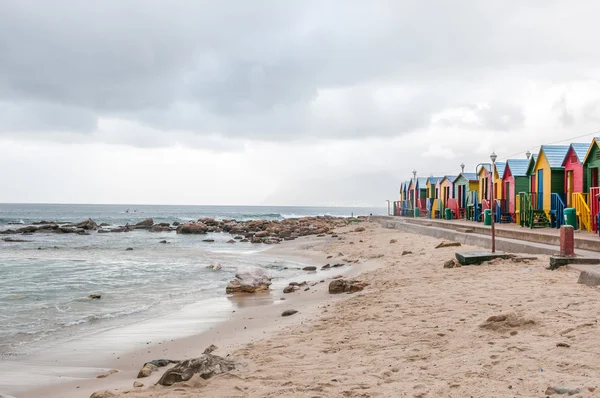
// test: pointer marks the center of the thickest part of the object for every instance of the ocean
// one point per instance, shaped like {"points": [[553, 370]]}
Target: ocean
{"points": [[45, 280]]}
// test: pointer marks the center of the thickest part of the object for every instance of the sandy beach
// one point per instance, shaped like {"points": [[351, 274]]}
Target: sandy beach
{"points": [[417, 330]]}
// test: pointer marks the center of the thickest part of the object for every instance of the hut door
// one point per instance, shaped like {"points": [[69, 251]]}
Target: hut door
{"points": [[569, 187], [540, 189], [506, 196], [594, 182], [460, 196]]}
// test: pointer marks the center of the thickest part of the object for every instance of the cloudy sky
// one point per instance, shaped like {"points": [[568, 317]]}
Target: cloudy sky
{"points": [[281, 102]]}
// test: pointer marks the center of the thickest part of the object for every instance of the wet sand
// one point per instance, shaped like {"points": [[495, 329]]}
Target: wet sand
{"points": [[418, 330]]}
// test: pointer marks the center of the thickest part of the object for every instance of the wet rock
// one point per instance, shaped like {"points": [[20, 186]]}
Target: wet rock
{"points": [[346, 286], [129, 249], [176, 223], [290, 289], [87, 224], [447, 244], [160, 228], [147, 223], [238, 237], [192, 228], [95, 296], [163, 241], [309, 268], [289, 312], [326, 266], [208, 240], [249, 280], [13, 240], [104, 231], [230, 241]]}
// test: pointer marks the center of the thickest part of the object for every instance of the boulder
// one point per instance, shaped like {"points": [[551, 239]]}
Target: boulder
{"points": [[249, 280], [290, 289], [160, 228], [261, 234], [346, 286], [192, 228], [87, 225], [147, 223]]}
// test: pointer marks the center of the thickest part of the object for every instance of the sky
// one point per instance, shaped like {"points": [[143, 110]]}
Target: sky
{"points": [[308, 102]]}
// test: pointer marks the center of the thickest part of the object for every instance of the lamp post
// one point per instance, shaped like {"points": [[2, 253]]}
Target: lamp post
{"points": [[388, 205], [462, 167], [493, 157], [414, 193], [528, 154]]}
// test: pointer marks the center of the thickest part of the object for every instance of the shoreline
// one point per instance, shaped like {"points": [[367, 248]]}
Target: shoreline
{"points": [[249, 320]]}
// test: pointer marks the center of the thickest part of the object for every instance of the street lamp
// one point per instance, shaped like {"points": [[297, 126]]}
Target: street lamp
{"points": [[528, 154], [493, 157], [415, 193], [462, 167]]}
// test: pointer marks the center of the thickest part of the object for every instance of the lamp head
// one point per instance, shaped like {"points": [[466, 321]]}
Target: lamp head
{"points": [[493, 157], [528, 154]]}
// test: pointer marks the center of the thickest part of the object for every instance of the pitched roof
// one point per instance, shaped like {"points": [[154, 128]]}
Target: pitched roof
{"points": [[592, 145], [500, 167], [531, 163], [433, 180], [467, 176], [450, 178], [580, 151], [421, 182], [555, 154], [518, 167]]}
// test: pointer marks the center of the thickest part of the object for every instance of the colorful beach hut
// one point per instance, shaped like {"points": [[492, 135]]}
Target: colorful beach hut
{"points": [[549, 175], [591, 181], [464, 184], [573, 168], [484, 177], [514, 180], [447, 192]]}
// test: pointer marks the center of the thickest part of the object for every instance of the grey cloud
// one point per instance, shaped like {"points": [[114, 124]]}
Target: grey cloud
{"points": [[256, 69], [494, 116]]}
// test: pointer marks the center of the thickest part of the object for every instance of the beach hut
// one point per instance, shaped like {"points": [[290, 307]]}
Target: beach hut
{"points": [[550, 184], [447, 192], [484, 178], [464, 184], [432, 196], [514, 180], [573, 168], [591, 181]]}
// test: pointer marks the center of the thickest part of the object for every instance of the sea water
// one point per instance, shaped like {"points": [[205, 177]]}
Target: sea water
{"points": [[46, 280]]}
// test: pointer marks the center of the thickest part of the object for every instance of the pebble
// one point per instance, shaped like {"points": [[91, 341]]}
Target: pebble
{"points": [[288, 312]]}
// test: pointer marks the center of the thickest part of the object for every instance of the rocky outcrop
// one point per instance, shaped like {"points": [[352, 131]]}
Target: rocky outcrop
{"points": [[249, 280], [338, 286], [146, 224], [87, 224], [207, 365], [192, 228]]}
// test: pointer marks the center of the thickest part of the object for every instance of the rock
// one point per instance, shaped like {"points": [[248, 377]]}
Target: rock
{"points": [[326, 266], [207, 366], [129, 249], [450, 264], [346, 286], [289, 312], [208, 240], [565, 345], [147, 370], [238, 237], [13, 240], [337, 277], [290, 289], [309, 268], [405, 252], [175, 223], [163, 241], [104, 231], [103, 394], [359, 229], [231, 241], [334, 236], [95, 296], [147, 223], [137, 384], [261, 234], [105, 375], [192, 229], [447, 244], [393, 241], [88, 224], [562, 391], [249, 280], [160, 228]]}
